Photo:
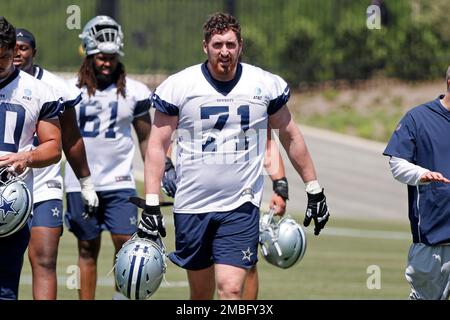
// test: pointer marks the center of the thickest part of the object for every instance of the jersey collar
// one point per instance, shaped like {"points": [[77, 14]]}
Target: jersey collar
{"points": [[10, 78], [223, 87], [39, 72]]}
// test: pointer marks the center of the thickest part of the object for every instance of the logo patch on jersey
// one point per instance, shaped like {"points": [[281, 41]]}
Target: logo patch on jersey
{"points": [[225, 100], [123, 178], [27, 94], [52, 184], [258, 95], [247, 191], [399, 126]]}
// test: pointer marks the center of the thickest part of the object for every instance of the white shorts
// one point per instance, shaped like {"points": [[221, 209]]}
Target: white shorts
{"points": [[428, 271]]}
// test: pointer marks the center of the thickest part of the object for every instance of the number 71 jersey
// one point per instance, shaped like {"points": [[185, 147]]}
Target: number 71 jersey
{"points": [[222, 134]]}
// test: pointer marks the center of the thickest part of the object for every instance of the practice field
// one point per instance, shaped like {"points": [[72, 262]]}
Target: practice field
{"points": [[335, 266]]}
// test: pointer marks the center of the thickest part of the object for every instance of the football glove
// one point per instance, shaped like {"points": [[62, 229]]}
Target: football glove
{"points": [[169, 179], [316, 210], [89, 196], [281, 188], [152, 220]]}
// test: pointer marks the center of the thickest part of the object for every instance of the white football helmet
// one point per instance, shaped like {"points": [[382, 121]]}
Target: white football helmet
{"points": [[102, 34], [283, 243], [140, 267], [15, 202]]}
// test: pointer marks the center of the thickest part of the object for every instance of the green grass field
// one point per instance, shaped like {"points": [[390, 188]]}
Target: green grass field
{"points": [[334, 266]]}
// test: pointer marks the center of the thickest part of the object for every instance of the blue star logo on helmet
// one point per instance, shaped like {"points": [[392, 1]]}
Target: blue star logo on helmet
{"points": [[15, 203], [6, 207]]}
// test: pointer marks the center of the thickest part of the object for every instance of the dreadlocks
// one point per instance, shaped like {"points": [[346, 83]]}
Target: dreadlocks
{"points": [[87, 77]]}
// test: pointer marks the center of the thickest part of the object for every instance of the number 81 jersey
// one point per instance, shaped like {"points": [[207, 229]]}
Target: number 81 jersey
{"points": [[222, 134], [105, 121]]}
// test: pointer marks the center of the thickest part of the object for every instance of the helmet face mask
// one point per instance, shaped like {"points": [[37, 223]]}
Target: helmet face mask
{"points": [[140, 268], [102, 34], [15, 203], [283, 242]]}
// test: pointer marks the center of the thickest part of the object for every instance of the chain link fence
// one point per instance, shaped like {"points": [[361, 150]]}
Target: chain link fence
{"points": [[305, 41]]}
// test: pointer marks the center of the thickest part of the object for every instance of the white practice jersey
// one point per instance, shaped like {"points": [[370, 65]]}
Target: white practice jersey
{"points": [[23, 102], [48, 182], [222, 134], [105, 121]]}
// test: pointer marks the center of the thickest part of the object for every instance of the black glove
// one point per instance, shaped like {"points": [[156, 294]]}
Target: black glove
{"points": [[317, 209], [169, 179], [152, 221], [281, 188]]}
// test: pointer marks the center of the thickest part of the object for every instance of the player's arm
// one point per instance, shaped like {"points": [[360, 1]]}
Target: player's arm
{"points": [[75, 151], [158, 144], [73, 144], [274, 166], [48, 152], [152, 221], [142, 125], [295, 146], [411, 174]]}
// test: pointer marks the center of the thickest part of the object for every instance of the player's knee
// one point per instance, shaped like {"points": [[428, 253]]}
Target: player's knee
{"points": [[47, 262], [229, 290]]}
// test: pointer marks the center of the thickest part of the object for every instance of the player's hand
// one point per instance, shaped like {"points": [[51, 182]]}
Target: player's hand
{"points": [[278, 204], [316, 210], [169, 179], [16, 162], [433, 177], [280, 195], [89, 196], [152, 221]]}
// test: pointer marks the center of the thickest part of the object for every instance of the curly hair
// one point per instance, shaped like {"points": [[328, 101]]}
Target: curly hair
{"points": [[7, 34], [219, 23], [86, 77]]}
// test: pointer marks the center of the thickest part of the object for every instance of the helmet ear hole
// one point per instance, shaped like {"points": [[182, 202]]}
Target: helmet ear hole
{"points": [[283, 241]]}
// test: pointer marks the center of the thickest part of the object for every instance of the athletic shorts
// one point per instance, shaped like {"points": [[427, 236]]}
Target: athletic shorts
{"points": [[115, 214], [428, 271], [12, 249], [205, 239], [48, 213]]}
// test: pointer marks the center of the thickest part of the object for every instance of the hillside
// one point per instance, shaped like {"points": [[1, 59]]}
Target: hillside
{"points": [[370, 110]]}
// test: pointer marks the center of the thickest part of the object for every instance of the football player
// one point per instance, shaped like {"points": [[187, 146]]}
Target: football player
{"points": [[111, 104], [27, 107], [47, 222], [274, 165], [221, 110]]}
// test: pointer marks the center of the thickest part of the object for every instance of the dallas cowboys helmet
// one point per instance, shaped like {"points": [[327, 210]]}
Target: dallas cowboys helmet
{"points": [[140, 267], [15, 202], [102, 34], [283, 242]]}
